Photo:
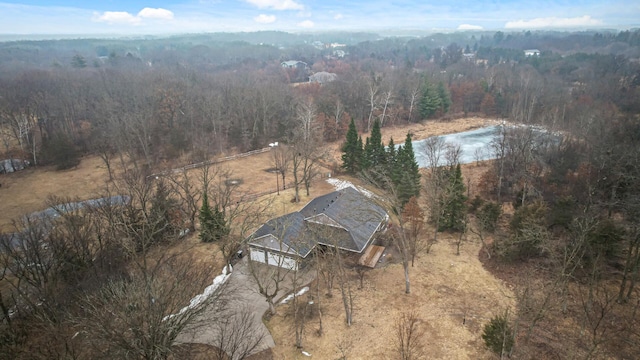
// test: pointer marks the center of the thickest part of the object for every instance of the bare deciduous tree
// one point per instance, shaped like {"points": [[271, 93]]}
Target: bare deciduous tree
{"points": [[409, 335], [236, 337], [143, 314]]}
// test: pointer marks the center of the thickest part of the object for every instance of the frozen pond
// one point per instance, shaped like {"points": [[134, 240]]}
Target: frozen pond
{"points": [[472, 143]]}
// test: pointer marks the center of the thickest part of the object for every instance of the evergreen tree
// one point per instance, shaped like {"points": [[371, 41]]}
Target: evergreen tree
{"points": [[213, 225], [359, 153], [220, 228], [391, 154], [412, 168], [498, 335], [78, 61], [352, 150], [375, 153], [430, 100], [406, 173], [207, 222], [160, 213], [445, 97], [453, 202], [365, 161]]}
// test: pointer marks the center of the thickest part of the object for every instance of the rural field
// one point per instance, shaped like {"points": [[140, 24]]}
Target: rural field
{"points": [[26, 191], [452, 294]]}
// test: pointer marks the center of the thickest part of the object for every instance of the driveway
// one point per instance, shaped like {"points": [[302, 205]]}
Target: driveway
{"points": [[245, 296]]}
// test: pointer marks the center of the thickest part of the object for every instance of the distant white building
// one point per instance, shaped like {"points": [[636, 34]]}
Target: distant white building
{"points": [[322, 77], [339, 53], [291, 64], [532, 52]]}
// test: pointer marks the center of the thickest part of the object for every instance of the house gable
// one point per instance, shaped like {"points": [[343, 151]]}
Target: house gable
{"points": [[352, 211], [284, 234]]}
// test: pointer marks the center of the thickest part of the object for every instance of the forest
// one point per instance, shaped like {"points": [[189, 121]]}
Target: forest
{"points": [[570, 243]]}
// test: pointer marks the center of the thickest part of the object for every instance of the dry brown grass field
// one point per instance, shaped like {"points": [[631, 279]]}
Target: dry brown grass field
{"points": [[453, 295], [26, 191], [446, 288]]}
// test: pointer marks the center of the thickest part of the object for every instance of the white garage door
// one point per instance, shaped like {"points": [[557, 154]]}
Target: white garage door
{"points": [[257, 255], [289, 263], [281, 260], [273, 259]]}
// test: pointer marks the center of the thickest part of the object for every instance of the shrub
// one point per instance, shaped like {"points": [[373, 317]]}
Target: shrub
{"points": [[475, 204], [61, 152], [498, 335], [488, 216]]}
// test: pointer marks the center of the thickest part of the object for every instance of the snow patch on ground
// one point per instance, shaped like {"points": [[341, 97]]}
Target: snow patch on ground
{"points": [[291, 296], [208, 291], [343, 184]]}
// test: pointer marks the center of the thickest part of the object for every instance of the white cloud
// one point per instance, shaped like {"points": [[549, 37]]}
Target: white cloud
{"points": [[116, 17], [306, 24], [264, 19], [554, 22], [337, 16], [276, 4], [469, 27], [123, 17], [159, 13]]}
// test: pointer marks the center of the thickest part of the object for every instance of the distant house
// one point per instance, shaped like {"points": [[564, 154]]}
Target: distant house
{"points": [[294, 64], [318, 45], [469, 56], [532, 52], [322, 77], [345, 219], [339, 53]]}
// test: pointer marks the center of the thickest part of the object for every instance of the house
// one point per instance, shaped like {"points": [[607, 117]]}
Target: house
{"points": [[322, 77], [469, 56], [532, 52], [345, 219], [294, 64], [339, 53]]}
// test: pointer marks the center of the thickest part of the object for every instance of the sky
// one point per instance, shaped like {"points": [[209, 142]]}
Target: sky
{"points": [[157, 17]]}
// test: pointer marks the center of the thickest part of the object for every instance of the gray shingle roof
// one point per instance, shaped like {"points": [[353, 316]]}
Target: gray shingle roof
{"points": [[353, 211], [285, 234], [345, 217]]}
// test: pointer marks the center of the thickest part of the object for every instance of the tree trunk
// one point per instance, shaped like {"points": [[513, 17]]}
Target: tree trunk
{"points": [[407, 283], [272, 308], [630, 270]]}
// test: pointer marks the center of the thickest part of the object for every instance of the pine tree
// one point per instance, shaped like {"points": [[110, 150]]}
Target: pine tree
{"points": [[207, 227], [352, 150], [498, 335], [366, 161], [159, 216], [78, 61], [391, 154], [430, 100], [453, 202], [412, 169], [220, 228], [406, 172], [445, 97], [359, 154], [376, 147]]}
